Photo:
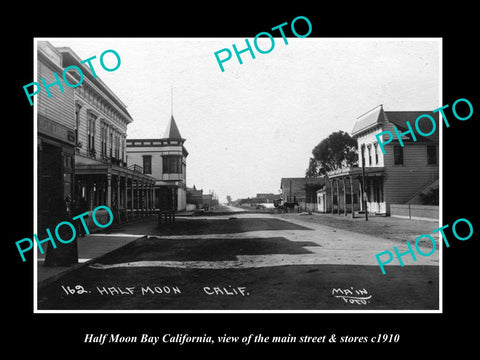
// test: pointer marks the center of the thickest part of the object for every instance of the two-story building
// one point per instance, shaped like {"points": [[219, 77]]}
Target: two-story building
{"points": [[55, 152], [399, 175], [100, 121], [165, 160]]}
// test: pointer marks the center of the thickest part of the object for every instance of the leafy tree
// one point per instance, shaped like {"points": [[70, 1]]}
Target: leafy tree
{"points": [[312, 170], [229, 199], [334, 152]]}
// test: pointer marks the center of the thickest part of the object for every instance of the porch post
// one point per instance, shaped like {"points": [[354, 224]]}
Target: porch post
{"points": [[153, 198], [109, 190], [364, 193], [125, 203], [118, 199], [137, 196], [338, 198], [344, 195], [147, 197], [132, 198], [351, 197], [144, 198], [331, 192], [372, 196]]}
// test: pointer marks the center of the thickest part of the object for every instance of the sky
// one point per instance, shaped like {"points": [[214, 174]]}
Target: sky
{"points": [[256, 122]]}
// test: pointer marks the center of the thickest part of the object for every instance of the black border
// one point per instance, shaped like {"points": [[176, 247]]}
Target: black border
{"points": [[420, 333]]}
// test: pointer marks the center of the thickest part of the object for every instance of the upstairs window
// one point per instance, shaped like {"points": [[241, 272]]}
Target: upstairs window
{"points": [[103, 138], [91, 133], [77, 123], [398, 155], [431, 154], [147, 164], [172, 164]]}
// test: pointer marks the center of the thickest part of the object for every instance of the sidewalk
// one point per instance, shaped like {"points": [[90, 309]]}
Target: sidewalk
{"points": [[89, 247], [388, 227]]}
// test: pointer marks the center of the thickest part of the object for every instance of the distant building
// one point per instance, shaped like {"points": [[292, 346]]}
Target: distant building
{"points": [[207, 200], [301, 191], [267, 197], [195, 197], [164, 158], [399, 175]]}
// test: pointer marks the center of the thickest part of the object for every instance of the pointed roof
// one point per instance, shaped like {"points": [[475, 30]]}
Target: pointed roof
{"points": [[172, 132]]}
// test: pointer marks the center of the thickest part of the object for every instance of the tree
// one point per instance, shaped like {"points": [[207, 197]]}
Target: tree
{"points": [[229, 199], [334, 152], [312, 170]]}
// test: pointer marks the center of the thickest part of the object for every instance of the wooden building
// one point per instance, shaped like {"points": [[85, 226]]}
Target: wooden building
{"points": [[163, 158], [399, 175], [301, 191], [55, 153], [100, 121], [195, 198]]}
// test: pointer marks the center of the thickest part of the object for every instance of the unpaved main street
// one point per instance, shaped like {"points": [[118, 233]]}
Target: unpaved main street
{"points": [[246, 261]]}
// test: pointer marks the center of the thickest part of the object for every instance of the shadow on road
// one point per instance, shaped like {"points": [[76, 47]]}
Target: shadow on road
{"points": [[155, 249]]}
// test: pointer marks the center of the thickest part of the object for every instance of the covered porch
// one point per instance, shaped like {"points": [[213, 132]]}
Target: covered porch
{"points": [[126, 191], [350, 191]]}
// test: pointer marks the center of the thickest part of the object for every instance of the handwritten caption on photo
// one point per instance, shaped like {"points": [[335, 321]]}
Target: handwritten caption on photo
{"points": [[228, 290]]}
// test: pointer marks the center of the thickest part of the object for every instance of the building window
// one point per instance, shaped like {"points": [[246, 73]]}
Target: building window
{"points": [[117, 147], [92, 119], [398, 155], [363, 154], [431, 154], [103, 138], [123, 148], [147, 164], [172, 164], [77, 123], [375, 145], [369, 147], [111, 143]]}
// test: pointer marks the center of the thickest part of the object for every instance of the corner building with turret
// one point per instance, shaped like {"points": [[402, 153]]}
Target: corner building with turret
{"points": [[164, 159]]}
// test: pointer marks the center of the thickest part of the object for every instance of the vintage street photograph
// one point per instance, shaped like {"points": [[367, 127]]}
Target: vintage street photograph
{"points": [[170, 179]]}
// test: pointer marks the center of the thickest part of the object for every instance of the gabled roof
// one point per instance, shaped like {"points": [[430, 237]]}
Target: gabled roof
{"points": [[400, 118], [172, 132], [377, 117], [369, 120]]}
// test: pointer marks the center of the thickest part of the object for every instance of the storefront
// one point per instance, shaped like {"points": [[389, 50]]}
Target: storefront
{"points": [[55, 179]]}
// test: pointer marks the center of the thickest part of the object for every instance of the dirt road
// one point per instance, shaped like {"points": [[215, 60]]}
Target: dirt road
{"points": [[246, 261]]}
